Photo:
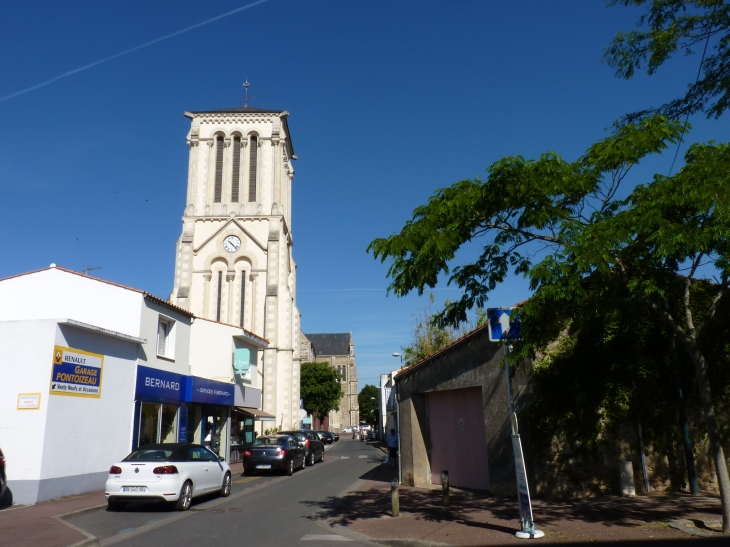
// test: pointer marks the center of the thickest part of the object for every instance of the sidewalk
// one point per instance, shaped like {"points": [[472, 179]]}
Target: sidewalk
{"points": [[475, 520], [35, 525]]}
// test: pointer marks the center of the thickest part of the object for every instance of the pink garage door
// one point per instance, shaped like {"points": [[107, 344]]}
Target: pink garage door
{"points": [[458, 441]]}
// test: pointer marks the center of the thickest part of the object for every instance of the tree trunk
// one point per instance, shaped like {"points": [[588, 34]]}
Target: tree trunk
{"points": [[703, 382]]}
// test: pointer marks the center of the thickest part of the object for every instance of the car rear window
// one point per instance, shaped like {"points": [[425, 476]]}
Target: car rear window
{"points": [[147, 455], [297, 434], [267, 441]]}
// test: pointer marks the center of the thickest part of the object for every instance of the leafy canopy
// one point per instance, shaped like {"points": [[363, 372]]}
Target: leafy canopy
{"points": [[320, 388], [367, 399], [678, 25], [548, 209]]}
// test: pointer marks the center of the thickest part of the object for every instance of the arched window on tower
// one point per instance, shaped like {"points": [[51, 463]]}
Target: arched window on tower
{"points": [[252, 167], [236, 174], [218, 170]]}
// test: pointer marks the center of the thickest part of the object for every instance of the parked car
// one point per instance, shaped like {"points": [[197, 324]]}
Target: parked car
{"points": [[348, 429], [326, 437], [174, 472], [3, 478], [309, 440], [336, 437], [280, 452]]}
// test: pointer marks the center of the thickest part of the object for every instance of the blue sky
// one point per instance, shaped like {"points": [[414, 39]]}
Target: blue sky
{"points": [[388, 101]]}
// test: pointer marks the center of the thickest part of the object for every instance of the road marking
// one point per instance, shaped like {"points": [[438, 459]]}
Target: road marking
{"points": [[324, 537], [151, 521], [362, 457], [344, 457], [247, 479], [125, 530]]}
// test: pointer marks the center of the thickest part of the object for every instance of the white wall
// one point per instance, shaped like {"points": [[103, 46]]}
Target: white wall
{"points": [[211, 351], [149, 322], [26, 353], [56, 294]]}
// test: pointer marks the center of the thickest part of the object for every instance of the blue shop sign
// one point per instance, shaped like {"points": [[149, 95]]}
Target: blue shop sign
{"points": [[153, 383], [210, 392]]}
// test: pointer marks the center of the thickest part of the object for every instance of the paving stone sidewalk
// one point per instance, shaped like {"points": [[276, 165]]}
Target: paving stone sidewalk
{"points": [[475, 520]]}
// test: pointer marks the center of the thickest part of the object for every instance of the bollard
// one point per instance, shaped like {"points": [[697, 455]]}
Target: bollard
{"points": [[394, 497], [445, 488]]}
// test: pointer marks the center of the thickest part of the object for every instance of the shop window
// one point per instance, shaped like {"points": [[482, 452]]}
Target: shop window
{"points": [[157, 424], [166, 338]]}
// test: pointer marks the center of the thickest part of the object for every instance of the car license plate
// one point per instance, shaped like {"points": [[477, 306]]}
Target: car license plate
{"points": [[134, 489], [263, 467]]}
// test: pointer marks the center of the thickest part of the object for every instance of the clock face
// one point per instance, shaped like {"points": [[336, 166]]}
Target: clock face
{"points": [[231, 244]]}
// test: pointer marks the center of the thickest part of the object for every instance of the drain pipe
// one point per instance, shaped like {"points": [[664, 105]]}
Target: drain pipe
{"points": [[400, 452]]}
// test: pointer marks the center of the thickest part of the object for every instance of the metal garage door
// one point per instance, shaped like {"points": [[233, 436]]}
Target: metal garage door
{"points": [[458, 441]]}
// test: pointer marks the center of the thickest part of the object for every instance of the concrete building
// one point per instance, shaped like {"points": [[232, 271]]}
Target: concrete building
{"points": [[92, 369], [454, 416], [337, 349], [234, 260]]}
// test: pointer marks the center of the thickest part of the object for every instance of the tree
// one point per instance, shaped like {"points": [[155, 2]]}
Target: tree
{"points": [[428, 337], [367, 399], [562, 225], [320, 388], [674, 25]]}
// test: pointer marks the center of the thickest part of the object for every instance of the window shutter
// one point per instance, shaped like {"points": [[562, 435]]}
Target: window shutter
{"points": [[236, 169], [252, 166], [220, 289], [162, 337], [218, 170]]}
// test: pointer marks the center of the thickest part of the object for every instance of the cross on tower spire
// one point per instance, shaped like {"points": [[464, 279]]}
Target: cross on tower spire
{"points": [[246, 97]]}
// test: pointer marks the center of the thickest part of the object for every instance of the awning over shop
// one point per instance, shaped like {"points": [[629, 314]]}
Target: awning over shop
{"points": [[259, 415]]}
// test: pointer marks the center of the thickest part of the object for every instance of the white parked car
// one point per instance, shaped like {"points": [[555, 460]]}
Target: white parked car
{"points": [[348, 429], [175, 473]]}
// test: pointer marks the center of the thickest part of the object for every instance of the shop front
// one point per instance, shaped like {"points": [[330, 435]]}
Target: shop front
{"points": [[172, 407]]}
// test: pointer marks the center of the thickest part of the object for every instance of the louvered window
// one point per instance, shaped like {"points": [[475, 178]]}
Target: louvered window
{"points": [[218, 170], [252, 166], [165, 340], [235, 175]]}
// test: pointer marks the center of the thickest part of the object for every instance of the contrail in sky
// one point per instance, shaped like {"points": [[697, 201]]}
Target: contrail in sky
{"points": [[130, 50]]}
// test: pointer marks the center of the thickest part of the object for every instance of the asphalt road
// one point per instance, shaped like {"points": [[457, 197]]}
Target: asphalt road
{"points": [[267, 509]]}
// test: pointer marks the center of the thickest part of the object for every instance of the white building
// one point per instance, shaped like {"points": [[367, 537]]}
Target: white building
{"points": [[234, 259], [92, 369]]}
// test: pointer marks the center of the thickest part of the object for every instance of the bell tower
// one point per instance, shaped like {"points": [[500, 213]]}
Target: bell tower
{"points": [[234, 259]]}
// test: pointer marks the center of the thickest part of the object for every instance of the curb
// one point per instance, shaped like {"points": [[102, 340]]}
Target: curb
{"points": [[685, 526], [91, 540]]}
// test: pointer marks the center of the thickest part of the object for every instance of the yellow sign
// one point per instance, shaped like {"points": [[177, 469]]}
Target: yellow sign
{"points": [[76, 373], [29, 401]]}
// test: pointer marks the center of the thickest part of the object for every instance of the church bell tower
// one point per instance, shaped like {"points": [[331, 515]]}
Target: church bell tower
{"points": [[234, 259]]}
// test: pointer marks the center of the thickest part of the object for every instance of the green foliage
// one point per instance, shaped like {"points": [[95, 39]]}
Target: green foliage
{"points": [[430, 337], [524, 207], [320, 388], [272, 431], [670, 26], [368, 406]]}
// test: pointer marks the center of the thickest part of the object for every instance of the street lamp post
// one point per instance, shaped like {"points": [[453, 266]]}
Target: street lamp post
{"points": [[397, 417]]}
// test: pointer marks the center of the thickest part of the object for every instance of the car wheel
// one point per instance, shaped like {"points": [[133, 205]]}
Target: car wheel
{"points": [[290, 468], [304, 461], [186, 497], [116, 505], [226, 488], [311, 458], [321, 458]]}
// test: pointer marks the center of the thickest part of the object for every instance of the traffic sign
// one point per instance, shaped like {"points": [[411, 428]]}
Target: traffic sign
{"points": [[504, 324]]}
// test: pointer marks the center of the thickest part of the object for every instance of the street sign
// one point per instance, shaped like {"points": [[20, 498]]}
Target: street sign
{"points": [[504, 324]]}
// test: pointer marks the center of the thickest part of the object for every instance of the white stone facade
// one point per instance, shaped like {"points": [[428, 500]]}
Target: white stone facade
{"points": [[234, 259]]}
